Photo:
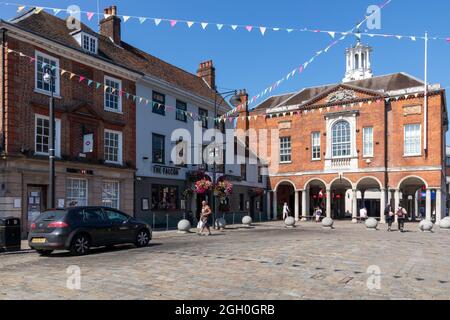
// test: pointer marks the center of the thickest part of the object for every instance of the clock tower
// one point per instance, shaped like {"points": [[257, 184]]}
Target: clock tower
{"points": [[358, 62]]}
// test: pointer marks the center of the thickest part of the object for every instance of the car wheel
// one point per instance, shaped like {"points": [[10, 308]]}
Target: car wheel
{"points": [[44, 253], [143, 238], [80, 245]]}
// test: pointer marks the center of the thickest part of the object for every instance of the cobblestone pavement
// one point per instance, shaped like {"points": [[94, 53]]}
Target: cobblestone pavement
{"points": [[266, 262]]}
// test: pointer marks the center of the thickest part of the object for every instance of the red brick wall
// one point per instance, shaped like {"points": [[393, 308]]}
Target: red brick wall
{"points": [[23, 103], [373, 115]]}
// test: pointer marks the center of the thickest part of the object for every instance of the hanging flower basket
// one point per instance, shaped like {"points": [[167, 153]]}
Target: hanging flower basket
{"points": [[187, 194], [203, 186], [223, 189]]}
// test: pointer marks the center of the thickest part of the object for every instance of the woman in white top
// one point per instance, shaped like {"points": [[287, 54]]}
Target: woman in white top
{"points": [[286, 211]]}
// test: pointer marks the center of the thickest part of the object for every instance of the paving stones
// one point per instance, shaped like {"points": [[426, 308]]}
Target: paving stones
{"points": [[268, 262]]}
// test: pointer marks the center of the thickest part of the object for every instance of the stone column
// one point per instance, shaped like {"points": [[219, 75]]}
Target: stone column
{"points": [[328, 203], [396, 203], [416, 206], [354, 206], [297, 206], [382, 205], [275, 206], [304, 206], [269, 206], [428, 205], [438, 206]]}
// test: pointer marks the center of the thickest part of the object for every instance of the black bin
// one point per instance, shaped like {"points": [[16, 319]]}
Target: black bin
{"points": [[10, 236]]}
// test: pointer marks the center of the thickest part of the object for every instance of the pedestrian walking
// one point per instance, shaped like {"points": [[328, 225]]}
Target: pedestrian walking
{"points": [[363, 214], [389, 214], [204, 217], [318, 214], [401, 216], [286, 211]]}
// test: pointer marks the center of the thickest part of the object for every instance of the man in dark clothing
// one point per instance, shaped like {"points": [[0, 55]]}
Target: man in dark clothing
{"points": [[389, 214]]}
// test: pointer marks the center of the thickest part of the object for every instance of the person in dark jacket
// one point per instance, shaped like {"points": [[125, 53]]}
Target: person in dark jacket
{"points": [[389, 213]]}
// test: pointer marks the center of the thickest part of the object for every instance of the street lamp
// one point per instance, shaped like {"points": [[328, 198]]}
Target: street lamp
{"points": [[49, 78], [235, 101]]}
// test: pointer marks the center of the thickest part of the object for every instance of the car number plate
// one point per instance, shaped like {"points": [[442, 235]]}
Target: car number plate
{"points": [[39, 240]]}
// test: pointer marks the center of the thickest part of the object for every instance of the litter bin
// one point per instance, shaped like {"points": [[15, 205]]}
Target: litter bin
{"points": [[10, 238]]}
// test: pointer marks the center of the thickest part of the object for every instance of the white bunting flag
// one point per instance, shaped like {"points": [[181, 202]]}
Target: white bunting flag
{"points": [[126, 18], [157, 22], [332, 34], [56, 11], [276, 29], [190, 24], [263, 30], [142, 20], [289, 30], [204, 25], [219, 26], [413, 38], [20, 9], [234, 27]]}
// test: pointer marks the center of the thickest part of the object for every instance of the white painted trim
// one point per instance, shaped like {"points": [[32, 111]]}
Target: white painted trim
{"points": [[412, 176], [419, 154], [79, 179], [118, 191], [120, 152], [314, 179], [119, 110], [284, 181], [369, 177], [57, 135], [56, 74]]}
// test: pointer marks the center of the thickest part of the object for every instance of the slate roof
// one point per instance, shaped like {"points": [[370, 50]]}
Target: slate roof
{"points": [[53, 28]]}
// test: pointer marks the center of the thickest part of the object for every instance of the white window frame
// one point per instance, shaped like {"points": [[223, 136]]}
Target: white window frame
{"points": [[56, 71], [285, 151], [114, 199], [118, 90], [341, 143], [315, 137], [57, 135], [412, 154], [71, 199], [368, 145], [92, 41], [120, 146]]}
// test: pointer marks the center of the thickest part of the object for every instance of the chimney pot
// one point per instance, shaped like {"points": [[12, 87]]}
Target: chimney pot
{"points": [[207, 72], [110, 27]]}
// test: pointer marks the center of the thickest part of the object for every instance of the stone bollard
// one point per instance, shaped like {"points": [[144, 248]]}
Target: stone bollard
{"points": [[372, 224], [184, 226], [426, 226], [445, 224], [289, 222], [247, 221], [327, 223], [221, 223]]}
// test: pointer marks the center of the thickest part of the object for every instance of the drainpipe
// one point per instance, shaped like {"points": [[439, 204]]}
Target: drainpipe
{"points": [[386, 147], [3, 138]]}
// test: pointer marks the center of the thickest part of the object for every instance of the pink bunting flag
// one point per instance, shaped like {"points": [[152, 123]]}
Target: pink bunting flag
{"points": [[301, 69], [90, 15], [448, 40], [173, 23], [32, 60], [82, 78], [249, 28]]}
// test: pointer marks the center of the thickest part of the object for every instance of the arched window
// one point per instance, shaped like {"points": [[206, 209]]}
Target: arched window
{"points": [[341, 139], [356, 61], [363, 61]]}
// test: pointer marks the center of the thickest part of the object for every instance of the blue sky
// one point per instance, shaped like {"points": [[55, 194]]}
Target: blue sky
{"points": [[248, 60]]}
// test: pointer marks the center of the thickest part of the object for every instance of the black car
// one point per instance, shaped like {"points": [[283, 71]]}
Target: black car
{"points": [[81, 228]]}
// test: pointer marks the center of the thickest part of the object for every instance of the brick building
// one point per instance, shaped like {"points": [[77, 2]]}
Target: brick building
{"points": [[98, 173], [367, 141]]}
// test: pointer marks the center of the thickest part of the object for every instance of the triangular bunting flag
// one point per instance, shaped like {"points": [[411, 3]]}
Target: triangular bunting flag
{"points": [[90, 82], [157, 21], [234, 27], [332, 34], [249, 28], [413, 38], [72, 75], [289, 30], [98, 85], [204, 25], [263, 30], [20, 8], [142, 20], [219, 26], [173, 23], [38, 10], [190, 24], [89, 15], [63, 72], [82, 78], [126, 18], [276, 29]]}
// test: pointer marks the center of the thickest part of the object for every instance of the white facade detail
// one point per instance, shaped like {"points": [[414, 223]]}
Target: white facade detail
{"points": [[358, 63]]}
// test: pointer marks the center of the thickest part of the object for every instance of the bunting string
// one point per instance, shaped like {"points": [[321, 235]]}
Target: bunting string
{"points": [[263, 30]]}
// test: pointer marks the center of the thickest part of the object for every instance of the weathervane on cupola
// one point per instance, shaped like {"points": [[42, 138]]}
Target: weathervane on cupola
{"points": [[358, 61]]}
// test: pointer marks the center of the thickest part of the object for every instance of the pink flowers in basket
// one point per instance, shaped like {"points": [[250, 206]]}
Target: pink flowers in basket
{"points": [[223, 188], [202, 186]]}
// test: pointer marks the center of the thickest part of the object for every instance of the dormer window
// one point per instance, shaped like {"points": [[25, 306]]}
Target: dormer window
{"points": [[89, 43]]}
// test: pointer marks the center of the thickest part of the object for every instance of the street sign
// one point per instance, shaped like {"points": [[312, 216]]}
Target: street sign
{"points": [[88, 143]]}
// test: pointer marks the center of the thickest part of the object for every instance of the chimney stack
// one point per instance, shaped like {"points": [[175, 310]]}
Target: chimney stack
{"points": [[207, 72], [110, 25]]}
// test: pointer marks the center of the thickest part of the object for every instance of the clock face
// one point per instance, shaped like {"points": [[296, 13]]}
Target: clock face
{"points": [[341, 95]]}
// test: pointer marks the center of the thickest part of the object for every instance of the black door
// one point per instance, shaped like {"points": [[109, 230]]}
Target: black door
{"points": [[122, 229], [98, 225]]}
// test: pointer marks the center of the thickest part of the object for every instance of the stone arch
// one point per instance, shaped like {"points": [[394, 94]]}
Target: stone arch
{"points": [[342, 179], [284, 182], [374, 179], [312, 180], [412, 177]]}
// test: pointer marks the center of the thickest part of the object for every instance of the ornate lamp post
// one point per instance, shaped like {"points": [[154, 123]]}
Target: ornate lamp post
{"points": [[49, 78]]}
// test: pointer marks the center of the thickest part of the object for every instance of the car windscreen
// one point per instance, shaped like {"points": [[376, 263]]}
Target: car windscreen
{"points": [[56, 215]]}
